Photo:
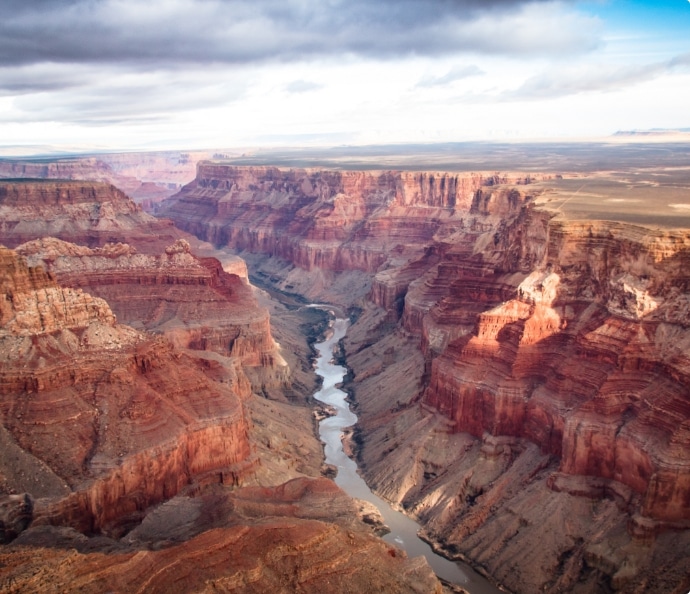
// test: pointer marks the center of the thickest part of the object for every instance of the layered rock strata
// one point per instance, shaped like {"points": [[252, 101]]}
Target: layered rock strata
{"points": [[581, 348], [190, 300], [143, 269], [88, 213], [327, 221], [544, 361], [139, 419], [135, 419]]}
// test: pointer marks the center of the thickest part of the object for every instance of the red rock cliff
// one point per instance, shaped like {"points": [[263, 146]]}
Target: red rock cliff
{"points": [[135, 419], [134, 261], [328, 220], [89, 213], [190, 300], [579, 347]]}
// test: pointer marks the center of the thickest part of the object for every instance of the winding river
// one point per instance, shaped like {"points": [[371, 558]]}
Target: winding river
{"points": [[403, 529]]}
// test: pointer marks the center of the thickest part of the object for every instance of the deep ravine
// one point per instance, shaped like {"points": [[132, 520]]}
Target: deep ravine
{"points": [[403, 529]]}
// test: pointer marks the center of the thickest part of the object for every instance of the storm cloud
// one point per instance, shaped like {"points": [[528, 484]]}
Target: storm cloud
{"points": [[162, 33]]}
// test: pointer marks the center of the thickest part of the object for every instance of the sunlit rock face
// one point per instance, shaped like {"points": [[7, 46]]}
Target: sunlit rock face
{"points": [[190, 300], [585, 356], [106, 420]]}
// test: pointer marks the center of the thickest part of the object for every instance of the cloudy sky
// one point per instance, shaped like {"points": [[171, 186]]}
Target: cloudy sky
{"points": [[123, 74]]}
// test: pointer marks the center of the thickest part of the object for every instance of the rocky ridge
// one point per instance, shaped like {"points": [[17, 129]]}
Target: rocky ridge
{"points": [[88, 213], [190, 300], [302, 536]]}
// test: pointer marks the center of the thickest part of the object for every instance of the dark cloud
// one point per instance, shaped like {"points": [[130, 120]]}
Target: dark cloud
{"points": [[125, 98], [164, 33]]}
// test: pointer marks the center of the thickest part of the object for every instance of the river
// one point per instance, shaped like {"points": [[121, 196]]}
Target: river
{"points": [[403, 529]]}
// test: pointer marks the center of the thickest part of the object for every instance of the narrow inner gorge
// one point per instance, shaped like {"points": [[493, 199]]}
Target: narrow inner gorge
{"points": [[403, 530]]}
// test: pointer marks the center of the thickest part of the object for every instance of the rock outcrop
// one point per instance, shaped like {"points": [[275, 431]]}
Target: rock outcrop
{"points": [[142, 267], [545, 360], [303, 536], [190, 300], [581, 348], [88, 213], [135, 419]]}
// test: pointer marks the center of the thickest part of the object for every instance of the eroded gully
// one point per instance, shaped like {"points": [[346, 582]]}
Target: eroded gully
{"points": [[403, 529]]}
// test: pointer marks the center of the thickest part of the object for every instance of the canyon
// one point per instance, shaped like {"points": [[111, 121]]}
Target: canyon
{"points": [[519, 370], [149, 418], [517, 355]]}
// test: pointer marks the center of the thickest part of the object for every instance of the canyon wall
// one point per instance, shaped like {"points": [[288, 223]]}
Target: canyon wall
{"points": [[142, 266], [89, 213], [325, 220], [190, 300], [122, 444], [135, 419], [520, 360]]}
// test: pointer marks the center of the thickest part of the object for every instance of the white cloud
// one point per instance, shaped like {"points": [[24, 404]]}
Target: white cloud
{"points": [[454, 74]]}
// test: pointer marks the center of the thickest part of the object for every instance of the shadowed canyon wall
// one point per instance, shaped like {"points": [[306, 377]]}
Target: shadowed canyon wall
{"points": [[533, 369]]}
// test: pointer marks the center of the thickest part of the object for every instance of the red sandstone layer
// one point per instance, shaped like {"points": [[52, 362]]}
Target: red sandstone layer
{"points": [[551, 370], [88, 213], [584, 355], [329, 220], [134, 420], [192, 301]]}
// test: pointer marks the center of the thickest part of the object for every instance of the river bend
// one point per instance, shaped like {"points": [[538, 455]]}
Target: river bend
{"points": [[403, 529]]}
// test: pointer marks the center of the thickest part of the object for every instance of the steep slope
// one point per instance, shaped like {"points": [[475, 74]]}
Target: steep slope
{"points": [[519, 378], [190, 300], [142, 267], [135, 419]]}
